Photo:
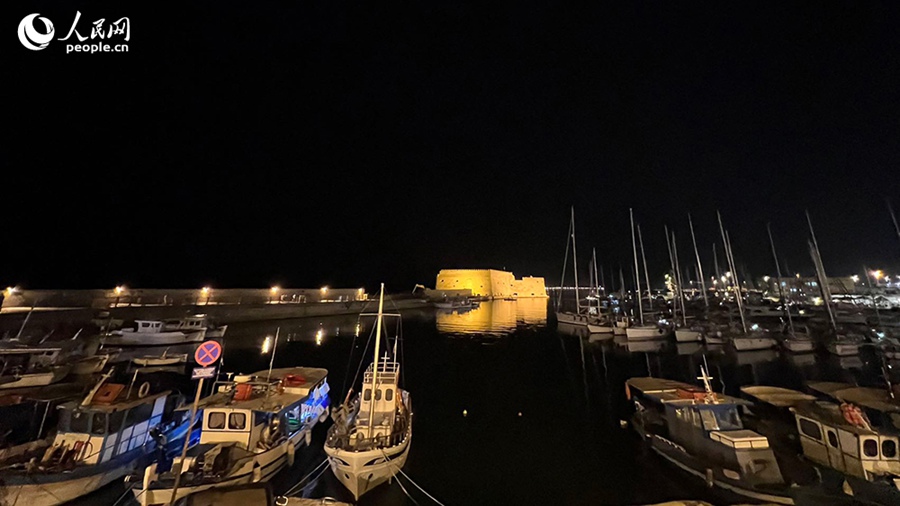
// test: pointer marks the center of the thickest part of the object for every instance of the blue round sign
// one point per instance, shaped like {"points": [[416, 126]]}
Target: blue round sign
{"points": [[207, 353]]}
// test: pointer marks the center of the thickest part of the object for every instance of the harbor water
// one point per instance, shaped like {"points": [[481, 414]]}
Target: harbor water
{"points": [[509, 407]]}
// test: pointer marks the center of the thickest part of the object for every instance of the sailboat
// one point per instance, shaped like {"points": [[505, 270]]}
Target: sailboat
{"points": [[581, 316], [842, 345], [683, 333], [371, 435], [641, 331], [797, 340]]}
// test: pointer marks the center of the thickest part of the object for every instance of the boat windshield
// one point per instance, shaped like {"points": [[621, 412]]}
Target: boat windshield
{"points": [[721, 418]]}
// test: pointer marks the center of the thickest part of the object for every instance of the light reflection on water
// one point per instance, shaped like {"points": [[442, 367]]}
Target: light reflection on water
{"points": [[493, 318]]}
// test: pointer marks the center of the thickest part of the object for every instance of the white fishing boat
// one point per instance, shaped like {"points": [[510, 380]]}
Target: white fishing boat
{"points": [[151, 333], [754, 340], [99, 440], [252, 428], [195, 323], [799, 340], [23, 366], [370, 439], [164, 359], [688, 335]]}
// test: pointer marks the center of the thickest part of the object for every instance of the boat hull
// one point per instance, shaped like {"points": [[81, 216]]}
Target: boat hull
{"points": [[799, 345], [687, 335], [357, 471], [843, 349], [753, 343], [599, 329], [38, 379], [645, 333], [153, 338]]}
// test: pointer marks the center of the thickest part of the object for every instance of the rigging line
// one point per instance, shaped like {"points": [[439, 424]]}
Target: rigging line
{"points": [[350, 358], [420, 488], [296, 485], [404, 490], [366, 350], [127, 491], [392, 464]]}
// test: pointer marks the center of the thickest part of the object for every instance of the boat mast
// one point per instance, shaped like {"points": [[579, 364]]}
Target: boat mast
{"points": [[646, 275], [680, 281], [375, 368], [562, 279], [872, 295], [637, 276], [575, 265], [716, 265], [894, 219], [787, 310], [674, 276], [820, 272], [729, 259], [699, 265]]}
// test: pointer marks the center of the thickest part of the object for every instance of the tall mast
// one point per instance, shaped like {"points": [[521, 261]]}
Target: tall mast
{"points": [[894, 219], [637, 276], [375, 368], [784, 303], [674, 276], [646, 275], [699, 265], [680, 281], [562, 279], [820, 271], [596, 279], [716, 263], [726, 240], [621, 283], [872, 294], [575, 264]]}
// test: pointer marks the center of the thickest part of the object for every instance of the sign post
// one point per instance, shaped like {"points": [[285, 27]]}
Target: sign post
{"points": [[206, 355]]}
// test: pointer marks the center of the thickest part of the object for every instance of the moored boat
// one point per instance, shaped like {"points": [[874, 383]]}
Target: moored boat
{"points": [[370, 439], [251, 429], [151, 333]]}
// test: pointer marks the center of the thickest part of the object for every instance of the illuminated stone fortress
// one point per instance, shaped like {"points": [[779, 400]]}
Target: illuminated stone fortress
{"points": [[490, 283]]}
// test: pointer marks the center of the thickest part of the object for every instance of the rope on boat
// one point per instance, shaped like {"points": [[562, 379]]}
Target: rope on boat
{"points": [[393, 464], [405, 491], [302, 480]]}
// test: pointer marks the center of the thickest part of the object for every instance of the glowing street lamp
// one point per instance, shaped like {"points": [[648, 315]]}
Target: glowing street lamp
{"points": [[120, 290], [10, 290], [266, 345], [855, 278], [877, 274], [206, 291], [766, 278]]}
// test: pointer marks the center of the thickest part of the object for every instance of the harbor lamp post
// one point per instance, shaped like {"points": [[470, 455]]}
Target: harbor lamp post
{"points": [[206, 291]]}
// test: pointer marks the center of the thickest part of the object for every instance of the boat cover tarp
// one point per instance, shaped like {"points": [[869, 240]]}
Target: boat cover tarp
{"points": [[777, 396]]}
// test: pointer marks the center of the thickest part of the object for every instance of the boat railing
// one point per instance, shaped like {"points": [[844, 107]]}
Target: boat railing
{"points": [[345, 441]]}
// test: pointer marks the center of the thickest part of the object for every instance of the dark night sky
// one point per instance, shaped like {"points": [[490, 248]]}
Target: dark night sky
{"points": [[306, 143]]}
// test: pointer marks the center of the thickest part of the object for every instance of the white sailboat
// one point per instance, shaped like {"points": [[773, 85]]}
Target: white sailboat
{"points": [[581, 316], [641, 331], [370, 439], [798, 339]]}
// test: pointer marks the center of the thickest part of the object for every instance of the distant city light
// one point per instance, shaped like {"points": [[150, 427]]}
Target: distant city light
{"points": [[205, 290], [320, 334], [877, 274], [855, 278], [324, 290], [728, 274], [120, 289], [766, 279], [275, 289], [267, 343], [10, 290]]}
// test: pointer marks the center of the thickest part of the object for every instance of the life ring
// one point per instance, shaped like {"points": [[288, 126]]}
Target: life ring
{"points": [[144, 390]]}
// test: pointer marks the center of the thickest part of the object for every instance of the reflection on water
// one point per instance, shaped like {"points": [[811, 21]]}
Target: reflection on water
{"points": [[495, 317]]}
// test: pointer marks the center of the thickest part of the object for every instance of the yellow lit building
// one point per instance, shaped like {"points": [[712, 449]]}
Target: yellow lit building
{"points": [[490, 283]]}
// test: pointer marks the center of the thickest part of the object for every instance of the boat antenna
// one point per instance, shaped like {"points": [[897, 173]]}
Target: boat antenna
{"points": [[637, 275], [375, 368], [672, 265]]}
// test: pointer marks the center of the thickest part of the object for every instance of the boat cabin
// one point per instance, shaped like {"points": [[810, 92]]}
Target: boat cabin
{"points": [[706, 425], [254, 413], [146, 327], [378, 399], [24, 359], [113, 422], [188, 324], [837, 436]]}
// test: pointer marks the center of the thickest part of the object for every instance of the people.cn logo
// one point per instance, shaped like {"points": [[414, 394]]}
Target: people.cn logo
{"points": [[30, 37]]}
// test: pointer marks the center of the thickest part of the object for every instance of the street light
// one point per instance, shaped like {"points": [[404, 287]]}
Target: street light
{"points": [[766, 278], [120, 289], [10, 290], [205, 291]]}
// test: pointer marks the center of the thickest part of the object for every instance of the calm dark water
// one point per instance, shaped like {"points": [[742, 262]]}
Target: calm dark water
{"points": [[511, 410]]}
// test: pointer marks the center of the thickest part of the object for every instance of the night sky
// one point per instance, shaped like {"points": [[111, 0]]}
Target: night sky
{"points": [[308, 143]]}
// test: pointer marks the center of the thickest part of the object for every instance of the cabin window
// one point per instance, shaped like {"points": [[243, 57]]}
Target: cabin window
{"points": [[368, 395], [237, 421], [870, 448], [832, 438], [216, 420], [389, 394], [810, 429], [141, 413], [378, 394], [80, 421], [889, 448], [709, 420], [98, 424], [115, 421]]}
